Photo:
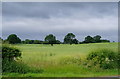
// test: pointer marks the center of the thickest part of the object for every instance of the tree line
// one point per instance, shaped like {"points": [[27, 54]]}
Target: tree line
{"points": [[70, 38]]}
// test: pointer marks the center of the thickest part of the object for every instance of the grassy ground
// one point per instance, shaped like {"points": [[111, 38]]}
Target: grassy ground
{"points": [[52, 59]]}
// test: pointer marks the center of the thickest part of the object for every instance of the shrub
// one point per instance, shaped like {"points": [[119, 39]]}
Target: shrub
{"points": [[10, 53], [105, 58], [14, 67], [9, 63]]}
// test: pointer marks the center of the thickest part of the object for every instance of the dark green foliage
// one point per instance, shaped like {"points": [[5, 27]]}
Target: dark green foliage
{"points": [[119, 60], [18, 67], [51, 39], [37, 42], [89, 39], [45, 42], [75, 41], [97, 38], [10, 62], [28, 41], [105, 41], [14, 67], [105, 59], [13, 39], [58, 42], [70, 39], [10, 53]]}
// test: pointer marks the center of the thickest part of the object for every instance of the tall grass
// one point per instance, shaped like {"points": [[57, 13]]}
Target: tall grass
{"points": [[62, 60]]}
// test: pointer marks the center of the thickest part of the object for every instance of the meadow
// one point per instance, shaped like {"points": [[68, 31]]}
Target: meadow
{"points": [[62, 60]]}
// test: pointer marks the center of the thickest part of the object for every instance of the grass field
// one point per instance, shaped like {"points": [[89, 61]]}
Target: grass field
{"points": [[56, 60]]}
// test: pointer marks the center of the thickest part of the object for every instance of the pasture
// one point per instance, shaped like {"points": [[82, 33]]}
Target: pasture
{"points": [[62, 60]]}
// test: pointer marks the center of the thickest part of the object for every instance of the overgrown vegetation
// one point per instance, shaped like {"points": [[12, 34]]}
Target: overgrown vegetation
{"points": [[10, 61], [66, 60], [104, 58]]}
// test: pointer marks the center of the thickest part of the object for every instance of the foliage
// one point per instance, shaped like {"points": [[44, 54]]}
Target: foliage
{"points": [[13, 39], [89, 39], [75, 41], [10, 62], [58, 42], [8, 59], [70, 39], [105, 59], [13, 67], [105, 40], [10, 53], [97, 38], [28, 41], [51, 39]]}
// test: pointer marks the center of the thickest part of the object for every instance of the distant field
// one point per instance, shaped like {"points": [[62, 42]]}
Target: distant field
{"points": [[51, 59]]}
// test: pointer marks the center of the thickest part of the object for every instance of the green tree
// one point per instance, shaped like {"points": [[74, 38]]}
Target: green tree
{"points": [[36, 41], [51, 39], [89, 39], [97, 38], [104, 40], [69, 38], [75, 41], [27, 41], [58, 42], [13, 39]]}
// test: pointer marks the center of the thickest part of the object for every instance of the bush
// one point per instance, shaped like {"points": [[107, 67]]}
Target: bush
{"points": [[105, 58], [14, 67], [10, 53], [11, 64]]}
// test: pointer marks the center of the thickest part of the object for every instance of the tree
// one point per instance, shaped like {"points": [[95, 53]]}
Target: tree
{"points": [[89, 39], [97, 38], [51, 39], [13, 39], [104, 40], [69, 38], [75, 41], [36, 42], [27, 41], [58, 42]]}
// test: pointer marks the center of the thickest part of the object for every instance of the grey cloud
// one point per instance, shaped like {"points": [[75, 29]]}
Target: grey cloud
{"points": [[45, 10], [35, 20]]}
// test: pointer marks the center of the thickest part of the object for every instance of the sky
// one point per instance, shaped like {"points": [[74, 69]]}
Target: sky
{"points": [[35, 20]]}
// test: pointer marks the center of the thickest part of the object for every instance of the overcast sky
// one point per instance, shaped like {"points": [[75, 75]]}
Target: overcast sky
{"points": [[35, 20]]}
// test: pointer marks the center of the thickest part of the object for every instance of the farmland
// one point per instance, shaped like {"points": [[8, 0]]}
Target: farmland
{"points": [[58, 60]]}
